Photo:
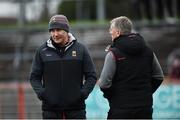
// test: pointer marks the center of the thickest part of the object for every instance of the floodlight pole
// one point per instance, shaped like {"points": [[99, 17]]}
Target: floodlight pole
{"points": [[100, 13]]}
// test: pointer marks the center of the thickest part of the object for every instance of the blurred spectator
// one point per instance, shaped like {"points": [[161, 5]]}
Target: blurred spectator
{"points": [[178, 8], [139, 6], [169, 7], [167, 97], [164, 10], [159, 9], [174, 65]]}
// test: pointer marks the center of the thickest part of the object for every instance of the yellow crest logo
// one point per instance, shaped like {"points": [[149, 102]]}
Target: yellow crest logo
{"points": [[74, 53]]}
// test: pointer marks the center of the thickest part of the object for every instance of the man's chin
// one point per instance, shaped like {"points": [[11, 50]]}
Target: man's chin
{"points": [[57, 41]]}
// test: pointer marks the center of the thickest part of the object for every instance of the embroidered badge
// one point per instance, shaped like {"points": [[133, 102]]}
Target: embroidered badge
{"points": [[74, 53]]}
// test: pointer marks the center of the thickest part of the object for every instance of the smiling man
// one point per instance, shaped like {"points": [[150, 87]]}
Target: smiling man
{"points": [[62, 73]]}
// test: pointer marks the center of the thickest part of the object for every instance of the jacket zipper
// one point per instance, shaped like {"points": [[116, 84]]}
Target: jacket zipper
{"points": [[61, 73], [61, 56]]}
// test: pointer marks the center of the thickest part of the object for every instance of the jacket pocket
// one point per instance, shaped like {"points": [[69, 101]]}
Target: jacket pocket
{"points": [[72, 96], [41, 94]]}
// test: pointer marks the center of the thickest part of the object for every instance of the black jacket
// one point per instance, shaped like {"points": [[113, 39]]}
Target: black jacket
{"points": [[132, 83], [62, 78]]}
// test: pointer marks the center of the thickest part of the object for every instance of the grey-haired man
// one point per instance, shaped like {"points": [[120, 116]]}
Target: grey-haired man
{"points": [[131, 73]]}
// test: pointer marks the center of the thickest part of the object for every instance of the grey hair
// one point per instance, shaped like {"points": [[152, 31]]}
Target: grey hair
{"points": [[123, 24]]}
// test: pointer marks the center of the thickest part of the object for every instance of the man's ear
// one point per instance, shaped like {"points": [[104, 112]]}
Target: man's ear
{"points": [[118, 32]]}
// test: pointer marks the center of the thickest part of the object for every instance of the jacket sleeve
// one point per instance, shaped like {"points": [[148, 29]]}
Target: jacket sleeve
{"points": [[89, 72], [36, 75], [108, 71], [157, 74], [107, 74]]}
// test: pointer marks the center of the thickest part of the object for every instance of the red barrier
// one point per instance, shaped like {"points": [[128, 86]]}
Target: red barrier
{"points": [[21, 102]]}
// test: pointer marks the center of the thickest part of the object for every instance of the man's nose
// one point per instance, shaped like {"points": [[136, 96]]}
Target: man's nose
{"points": [[55, 32]]}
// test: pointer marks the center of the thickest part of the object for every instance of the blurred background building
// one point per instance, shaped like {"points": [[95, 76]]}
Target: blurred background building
{"points": [[23, 28]]}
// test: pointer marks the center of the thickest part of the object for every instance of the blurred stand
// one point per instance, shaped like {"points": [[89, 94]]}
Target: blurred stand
{"points": [[18, 103], [156, 11]]}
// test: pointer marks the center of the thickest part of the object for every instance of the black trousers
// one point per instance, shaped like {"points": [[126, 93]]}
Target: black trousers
{"points": [[78, 114], [131, 113]]}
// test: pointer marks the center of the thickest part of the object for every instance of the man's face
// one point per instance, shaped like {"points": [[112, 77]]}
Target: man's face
{"points": [[114, 32], [59, 36]]}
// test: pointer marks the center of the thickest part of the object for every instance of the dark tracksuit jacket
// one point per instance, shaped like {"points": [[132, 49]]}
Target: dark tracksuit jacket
{"points": [[62, 78], [132, 84]]}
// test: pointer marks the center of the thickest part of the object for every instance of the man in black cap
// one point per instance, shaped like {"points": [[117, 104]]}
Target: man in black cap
{"points": [[62, 73]]}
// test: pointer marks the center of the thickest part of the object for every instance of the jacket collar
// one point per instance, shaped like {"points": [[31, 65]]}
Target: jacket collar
{"points": [[72, 39]]}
